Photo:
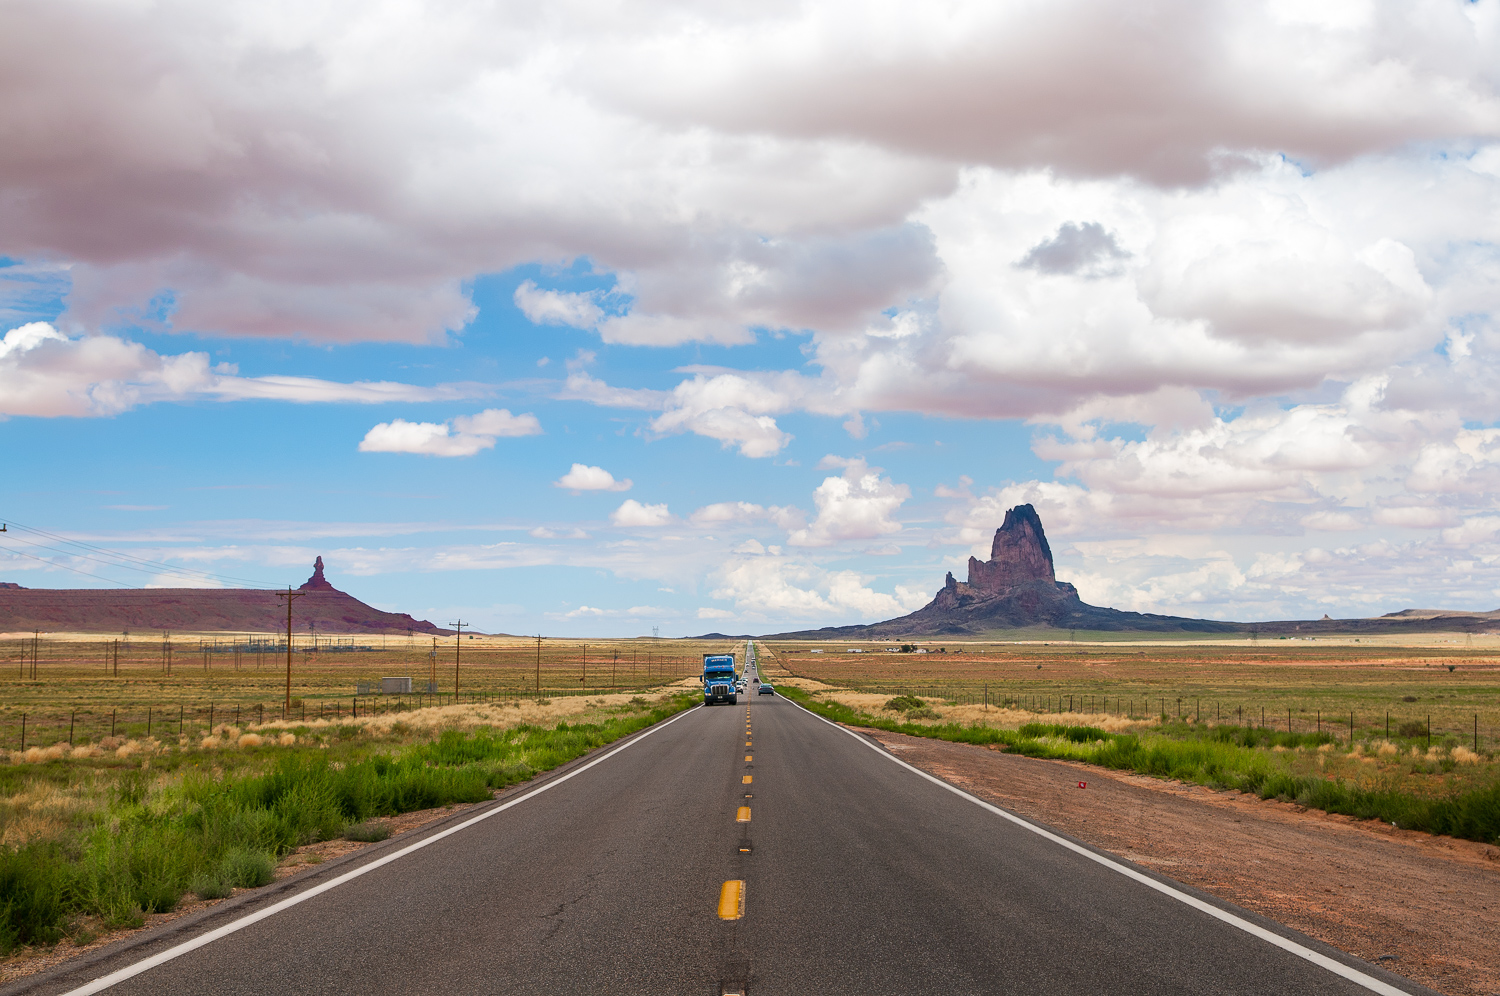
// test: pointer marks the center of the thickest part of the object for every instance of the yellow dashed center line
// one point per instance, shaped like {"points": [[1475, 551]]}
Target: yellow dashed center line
{"points": [[732, 900], [742, 815], [747, 758], [745, 780]]}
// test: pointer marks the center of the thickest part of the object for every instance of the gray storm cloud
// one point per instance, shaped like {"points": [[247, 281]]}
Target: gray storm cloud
{"points": [[339, 172]]}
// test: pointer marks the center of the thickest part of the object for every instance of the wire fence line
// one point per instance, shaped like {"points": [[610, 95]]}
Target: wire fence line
{"points": [[93, 725], [1478, 731]]}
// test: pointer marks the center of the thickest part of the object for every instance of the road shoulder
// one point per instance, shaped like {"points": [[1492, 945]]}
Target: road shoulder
{"points": [[1421, 906]]}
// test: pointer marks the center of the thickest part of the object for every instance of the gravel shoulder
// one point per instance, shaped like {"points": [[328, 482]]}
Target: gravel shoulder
{"points": [[1424, 906]]}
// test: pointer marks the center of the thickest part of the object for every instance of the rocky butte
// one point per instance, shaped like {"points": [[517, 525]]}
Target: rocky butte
{"points": [[1017, 588], [197, 610]]}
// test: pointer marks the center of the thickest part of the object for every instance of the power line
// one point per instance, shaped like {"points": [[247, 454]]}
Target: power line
{"points": [[124, 561], [154, 564], [78, 556], [75, 570]]}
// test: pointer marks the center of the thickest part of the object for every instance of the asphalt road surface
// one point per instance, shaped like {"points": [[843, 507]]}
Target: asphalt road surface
{"points": [[859, 876]]}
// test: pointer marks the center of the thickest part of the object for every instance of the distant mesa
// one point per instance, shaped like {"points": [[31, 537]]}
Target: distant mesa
{"points": [[1017, 588], [326, 610]]}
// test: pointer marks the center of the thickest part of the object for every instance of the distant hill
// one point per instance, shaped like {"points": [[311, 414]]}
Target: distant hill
{"points": [[197, 610], [1017, 588]]}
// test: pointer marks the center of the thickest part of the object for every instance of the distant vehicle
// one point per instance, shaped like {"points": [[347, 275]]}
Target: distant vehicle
{"points": [[719, 679], [767, 690]]}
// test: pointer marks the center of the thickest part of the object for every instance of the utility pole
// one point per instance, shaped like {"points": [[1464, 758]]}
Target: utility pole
{"points": [[585, 669], [432, 668], [457, 642], [539, 665], [290, 596]]}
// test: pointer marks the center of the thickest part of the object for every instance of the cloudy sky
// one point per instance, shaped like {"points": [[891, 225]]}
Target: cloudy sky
{"points": [[583, 319]]}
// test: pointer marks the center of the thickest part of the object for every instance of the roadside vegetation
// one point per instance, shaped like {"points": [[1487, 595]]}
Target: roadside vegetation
{"points": [[94, 837], [1416, 782]]}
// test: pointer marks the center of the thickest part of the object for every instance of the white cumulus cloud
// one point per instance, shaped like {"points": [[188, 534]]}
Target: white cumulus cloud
{"points": [[632, 513], [860, 504], [585, 478], [463, 436], [44, 372]]}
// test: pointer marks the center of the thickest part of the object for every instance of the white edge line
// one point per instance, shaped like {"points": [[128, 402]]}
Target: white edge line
{"points": [[1301, 951], [146, 964]]}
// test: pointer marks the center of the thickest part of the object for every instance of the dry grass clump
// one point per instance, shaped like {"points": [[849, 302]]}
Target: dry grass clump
{"points": [[130, 747], [806, 684], [870, 702], [1009, 718], [40, 755], [41, 811], [250, 740], [1000, 717], [471, 715], [1387, 749], [1463, 755]]}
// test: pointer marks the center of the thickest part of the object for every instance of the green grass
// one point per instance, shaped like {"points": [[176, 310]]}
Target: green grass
{"points": [[1221, 757], [208, 832]]}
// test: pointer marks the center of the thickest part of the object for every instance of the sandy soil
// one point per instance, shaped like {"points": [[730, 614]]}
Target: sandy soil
{"points": [[1424, 906]]}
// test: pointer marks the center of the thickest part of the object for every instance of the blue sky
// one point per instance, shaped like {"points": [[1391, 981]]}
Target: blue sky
{"points": [[377, 306], [259, 487]]}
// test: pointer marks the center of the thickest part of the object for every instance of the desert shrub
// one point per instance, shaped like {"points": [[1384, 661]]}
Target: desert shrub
{"points": [[1412, 729], [368, 832], [245, 868], [911, 707], [1076, 734], [33, 882], [208, 885]]}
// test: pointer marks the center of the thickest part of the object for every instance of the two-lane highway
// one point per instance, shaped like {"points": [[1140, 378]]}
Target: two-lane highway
{"points": [[749, 847]]}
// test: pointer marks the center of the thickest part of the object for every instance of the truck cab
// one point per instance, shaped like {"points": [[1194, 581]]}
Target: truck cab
{"points": [[719, 679]]}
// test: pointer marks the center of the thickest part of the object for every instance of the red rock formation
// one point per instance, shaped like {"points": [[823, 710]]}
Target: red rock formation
{"points": [[1017, 588], [319, 583], [1019, 556], [201, 610]]}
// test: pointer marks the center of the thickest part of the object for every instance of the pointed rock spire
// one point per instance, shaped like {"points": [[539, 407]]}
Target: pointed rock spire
{"points": [[317, 582], [1019, 554]]}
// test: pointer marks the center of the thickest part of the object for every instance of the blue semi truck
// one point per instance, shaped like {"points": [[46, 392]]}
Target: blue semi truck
{"points": [[718, 679]]}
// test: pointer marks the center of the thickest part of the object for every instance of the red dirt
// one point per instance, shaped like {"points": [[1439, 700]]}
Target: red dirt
{"points": [[1359, 885]]}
